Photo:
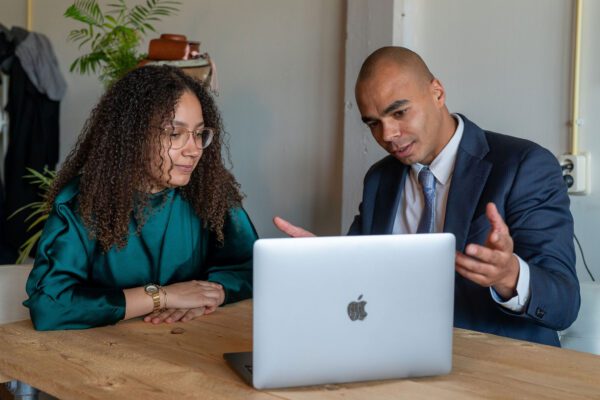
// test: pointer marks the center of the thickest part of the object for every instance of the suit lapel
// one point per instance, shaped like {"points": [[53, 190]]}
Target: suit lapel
{"points": [[470, 174], [388, 195]]}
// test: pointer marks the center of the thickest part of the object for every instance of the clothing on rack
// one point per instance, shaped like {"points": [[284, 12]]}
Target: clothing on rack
{"points": [[9, 39], [7, 49], [8, 255], [39, 62]]}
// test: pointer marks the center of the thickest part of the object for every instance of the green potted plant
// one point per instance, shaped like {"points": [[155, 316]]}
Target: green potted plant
{"points": [[114, 35], [39, 210]]}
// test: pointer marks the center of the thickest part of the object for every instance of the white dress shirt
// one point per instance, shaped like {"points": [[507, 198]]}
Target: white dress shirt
{"points": [[412, 203]]}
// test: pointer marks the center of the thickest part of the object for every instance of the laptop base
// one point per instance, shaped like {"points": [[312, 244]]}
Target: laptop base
{"points": [[241, 363]]}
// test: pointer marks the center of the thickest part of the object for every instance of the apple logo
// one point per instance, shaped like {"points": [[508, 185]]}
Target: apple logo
{"points": [[356, 309]]}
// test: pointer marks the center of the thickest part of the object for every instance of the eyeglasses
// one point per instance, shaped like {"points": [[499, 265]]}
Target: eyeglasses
{"points": [[178, 136]]}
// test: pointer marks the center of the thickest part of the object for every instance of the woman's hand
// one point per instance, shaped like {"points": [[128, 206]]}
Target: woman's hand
{"points": [[188, 300], [178, 314]]}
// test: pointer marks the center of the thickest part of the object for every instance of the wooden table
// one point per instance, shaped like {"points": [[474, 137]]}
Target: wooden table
{"points": [[137, 360]]}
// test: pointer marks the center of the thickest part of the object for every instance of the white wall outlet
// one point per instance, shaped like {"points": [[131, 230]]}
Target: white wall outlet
{"points": [[576, 172]]}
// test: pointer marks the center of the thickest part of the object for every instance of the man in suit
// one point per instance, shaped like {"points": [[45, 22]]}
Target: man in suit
{"points": [[502, 197]]}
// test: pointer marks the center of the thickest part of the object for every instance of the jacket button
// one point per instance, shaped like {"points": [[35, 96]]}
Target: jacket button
{"points": [[540, 313]]}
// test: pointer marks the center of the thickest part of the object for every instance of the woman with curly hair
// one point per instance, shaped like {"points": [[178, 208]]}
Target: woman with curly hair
{"points": [[145, 218]]}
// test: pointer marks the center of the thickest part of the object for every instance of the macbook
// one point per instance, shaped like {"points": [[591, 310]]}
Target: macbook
{"points": [[352, 308]]}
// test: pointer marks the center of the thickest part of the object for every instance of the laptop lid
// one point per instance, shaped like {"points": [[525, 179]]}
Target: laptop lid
{"points": [[352, 308]]}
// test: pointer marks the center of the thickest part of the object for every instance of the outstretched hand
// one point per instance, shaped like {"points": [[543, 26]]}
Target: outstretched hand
{"points": [[289, 229], [494, 263]]}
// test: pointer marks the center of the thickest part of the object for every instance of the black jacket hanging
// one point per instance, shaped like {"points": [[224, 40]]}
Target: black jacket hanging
{"points": [[33, 143]]}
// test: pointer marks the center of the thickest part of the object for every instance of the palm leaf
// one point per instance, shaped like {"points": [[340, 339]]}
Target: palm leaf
{"points": [[77, 35], [40, 219], [113, 37], [39, 209], [140, 15], [45, 177], [26, 247], [25, 207], [89, 62], [119, 8], [86, 11]]}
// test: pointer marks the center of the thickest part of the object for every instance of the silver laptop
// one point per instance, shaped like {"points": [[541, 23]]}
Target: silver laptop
{"points": [[353, 308]]}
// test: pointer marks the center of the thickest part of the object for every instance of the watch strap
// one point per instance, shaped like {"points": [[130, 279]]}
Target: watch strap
{"points": [[156, 301], [153, 290]]}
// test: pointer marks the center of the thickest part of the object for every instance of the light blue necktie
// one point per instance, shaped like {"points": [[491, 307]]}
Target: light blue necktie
{"points": [[427, 181]]}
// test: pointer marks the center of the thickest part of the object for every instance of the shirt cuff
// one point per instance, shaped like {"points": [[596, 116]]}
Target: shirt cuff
{"points": [[519, 302]]}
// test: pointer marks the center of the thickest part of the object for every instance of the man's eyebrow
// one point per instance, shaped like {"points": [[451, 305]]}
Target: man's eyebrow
{"points": [[395, 105], [389, 109], [367, 120]]}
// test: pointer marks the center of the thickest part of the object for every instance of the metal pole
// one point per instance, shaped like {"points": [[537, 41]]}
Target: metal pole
{"points": [[29, 15], [575, 121], [22, 391]]}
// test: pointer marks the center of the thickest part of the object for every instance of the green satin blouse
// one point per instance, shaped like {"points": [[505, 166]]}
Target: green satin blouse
{"points": [[75, 285]]}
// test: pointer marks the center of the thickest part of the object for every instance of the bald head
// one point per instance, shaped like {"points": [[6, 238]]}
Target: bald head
{"points": [[404, 59], [404, 105]]}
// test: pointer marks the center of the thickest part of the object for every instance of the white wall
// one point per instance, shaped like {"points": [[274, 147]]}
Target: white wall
{"points": [[13, 12], [369, 26], [506, 64], [280, 69], [586, 209]]}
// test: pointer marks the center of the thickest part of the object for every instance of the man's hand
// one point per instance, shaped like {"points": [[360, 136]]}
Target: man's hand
{"points": [[289, 229], [493, 264]]}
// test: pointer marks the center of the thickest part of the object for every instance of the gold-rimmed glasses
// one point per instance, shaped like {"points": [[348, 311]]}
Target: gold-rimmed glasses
{"points": [[178, 136]]}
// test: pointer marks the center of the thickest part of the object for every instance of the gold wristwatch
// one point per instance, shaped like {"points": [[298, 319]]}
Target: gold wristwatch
{"points": [[153, 290]]}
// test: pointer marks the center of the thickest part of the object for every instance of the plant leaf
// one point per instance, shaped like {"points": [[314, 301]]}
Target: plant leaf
{"points": [[86, 11], [40, 219], [26, 247], [112, 37]]}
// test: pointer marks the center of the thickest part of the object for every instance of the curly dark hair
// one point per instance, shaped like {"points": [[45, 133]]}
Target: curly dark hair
{"points": [[113, 156]]}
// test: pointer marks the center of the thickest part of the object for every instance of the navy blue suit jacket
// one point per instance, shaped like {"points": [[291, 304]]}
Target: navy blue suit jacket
{"points": [[525, 182]]}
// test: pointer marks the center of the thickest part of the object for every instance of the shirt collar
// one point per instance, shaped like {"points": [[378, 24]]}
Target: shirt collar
{"points": [[443, 165]]}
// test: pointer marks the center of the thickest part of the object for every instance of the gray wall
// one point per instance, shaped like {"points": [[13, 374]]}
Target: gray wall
{"points": [[506, 64], [586, 209], [13, 12], [280, 69]]}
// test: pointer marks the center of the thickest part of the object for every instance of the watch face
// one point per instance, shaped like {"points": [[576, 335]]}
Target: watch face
{"points": [[151, 288]]}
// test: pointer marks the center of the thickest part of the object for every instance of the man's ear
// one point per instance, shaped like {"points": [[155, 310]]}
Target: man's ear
{"points": [[438, 92]]}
